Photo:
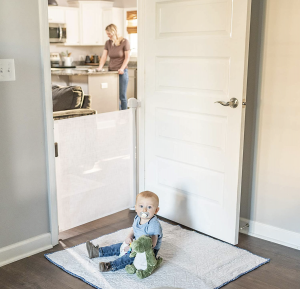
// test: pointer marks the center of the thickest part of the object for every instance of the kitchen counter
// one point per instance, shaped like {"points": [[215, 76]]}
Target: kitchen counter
{"points": [[79, 71], [103, 86], [132, 64], [87, 70]]}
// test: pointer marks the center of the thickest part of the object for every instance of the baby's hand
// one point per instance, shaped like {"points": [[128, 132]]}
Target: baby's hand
{"points": [[126, 249], [128, 240]]}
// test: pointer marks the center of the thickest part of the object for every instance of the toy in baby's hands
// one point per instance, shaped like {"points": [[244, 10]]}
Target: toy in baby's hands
{"points": [[124, 249], [145, 262]]}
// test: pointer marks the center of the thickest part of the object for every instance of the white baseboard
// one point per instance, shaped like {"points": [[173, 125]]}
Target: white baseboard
{"points": [[270, 233], [25, 249]]}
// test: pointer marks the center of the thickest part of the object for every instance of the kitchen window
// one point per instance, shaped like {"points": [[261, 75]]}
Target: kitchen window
{"points": [[131, 27]]}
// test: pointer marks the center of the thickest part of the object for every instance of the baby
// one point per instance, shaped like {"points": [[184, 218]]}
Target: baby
{"points": [[145, 223]]}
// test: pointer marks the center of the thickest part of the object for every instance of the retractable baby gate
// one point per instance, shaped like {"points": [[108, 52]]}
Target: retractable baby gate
{"points": [[96, 165]]}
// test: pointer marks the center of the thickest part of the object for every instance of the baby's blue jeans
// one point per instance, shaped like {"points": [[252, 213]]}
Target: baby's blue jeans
{"points": [[114, 250]]}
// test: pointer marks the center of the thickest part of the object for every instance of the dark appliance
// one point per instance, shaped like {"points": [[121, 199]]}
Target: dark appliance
{"points": [[52, 3], [57, 32]]}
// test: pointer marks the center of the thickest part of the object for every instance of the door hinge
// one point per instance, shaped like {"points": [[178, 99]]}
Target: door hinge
{"points": [[56, 149]]}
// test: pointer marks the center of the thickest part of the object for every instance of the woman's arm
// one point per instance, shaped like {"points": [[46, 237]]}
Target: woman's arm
{"points": [[103, 60], [125, 62]]}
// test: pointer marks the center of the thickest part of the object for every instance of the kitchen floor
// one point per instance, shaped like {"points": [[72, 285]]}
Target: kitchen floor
{"points": [[37, 272]]}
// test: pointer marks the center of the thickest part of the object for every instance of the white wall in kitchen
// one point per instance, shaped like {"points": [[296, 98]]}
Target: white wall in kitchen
{"points": [[125, 3]]}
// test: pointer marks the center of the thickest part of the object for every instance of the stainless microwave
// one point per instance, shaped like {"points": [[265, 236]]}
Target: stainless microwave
{"points": [[57, 32]]}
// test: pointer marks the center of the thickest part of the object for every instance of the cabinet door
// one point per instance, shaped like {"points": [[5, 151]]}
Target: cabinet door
{"points": [[104, 89], [113, 16], [107, 19], [72, 22], [91, 23], [56, 15], [118, 19]]}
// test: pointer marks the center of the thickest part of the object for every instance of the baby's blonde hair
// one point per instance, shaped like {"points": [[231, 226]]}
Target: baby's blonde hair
{"points": [[112, 29], [148, 194]]}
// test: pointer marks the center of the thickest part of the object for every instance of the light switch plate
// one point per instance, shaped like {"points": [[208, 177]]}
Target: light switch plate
{"points": [[104, 85], [7, 70]]}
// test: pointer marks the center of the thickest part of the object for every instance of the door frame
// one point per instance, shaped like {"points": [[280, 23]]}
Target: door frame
{"points": [[48, 120], [49, 123], [141, 97], [141, 111]]}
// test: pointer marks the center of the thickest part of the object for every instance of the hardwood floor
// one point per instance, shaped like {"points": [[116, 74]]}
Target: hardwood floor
{"points": [[37, 272]]}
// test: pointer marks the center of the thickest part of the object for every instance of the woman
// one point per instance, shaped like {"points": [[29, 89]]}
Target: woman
{"points": [[118, 50]]}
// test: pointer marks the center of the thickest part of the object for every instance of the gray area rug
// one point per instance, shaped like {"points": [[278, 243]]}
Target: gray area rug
{"points": [[191, 260]]}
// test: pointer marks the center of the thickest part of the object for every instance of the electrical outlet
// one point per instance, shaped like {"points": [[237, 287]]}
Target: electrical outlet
{"points": [[7, 70], [104, 85]]}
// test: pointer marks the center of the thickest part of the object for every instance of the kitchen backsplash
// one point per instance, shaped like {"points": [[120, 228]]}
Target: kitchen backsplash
{"points": [[77, 52], [81, 51]]}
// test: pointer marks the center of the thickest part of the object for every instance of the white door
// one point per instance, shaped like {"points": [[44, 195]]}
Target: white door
{"points": [[195, 53]]}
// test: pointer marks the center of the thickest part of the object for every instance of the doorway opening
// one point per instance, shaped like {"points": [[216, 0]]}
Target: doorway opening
{"points": [[176, 157], [95, 141]]}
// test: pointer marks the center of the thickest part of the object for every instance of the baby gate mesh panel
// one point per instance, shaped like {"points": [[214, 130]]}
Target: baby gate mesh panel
{"points": [[94, 167]]}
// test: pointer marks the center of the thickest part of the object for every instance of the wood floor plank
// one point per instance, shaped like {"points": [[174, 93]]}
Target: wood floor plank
{"points": [[36, 272]]}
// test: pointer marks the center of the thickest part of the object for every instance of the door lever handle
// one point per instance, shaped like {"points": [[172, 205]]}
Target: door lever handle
{"points": [[223, 102], [233, 102]]}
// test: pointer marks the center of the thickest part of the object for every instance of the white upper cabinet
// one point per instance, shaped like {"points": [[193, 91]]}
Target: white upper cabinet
{"points": [[86, 24], [115, 16], [90, 13], [72, 23], [56, 14], [92, 29]]}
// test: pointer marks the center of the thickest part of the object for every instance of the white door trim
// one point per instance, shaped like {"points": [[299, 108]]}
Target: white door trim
{"points": [[48, 120], [141, 97], [26, 248], [247, 39], [270, 233]]}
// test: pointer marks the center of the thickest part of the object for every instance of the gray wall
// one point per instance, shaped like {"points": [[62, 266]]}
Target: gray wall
{"points": [[23, 184], [271, 181]]}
